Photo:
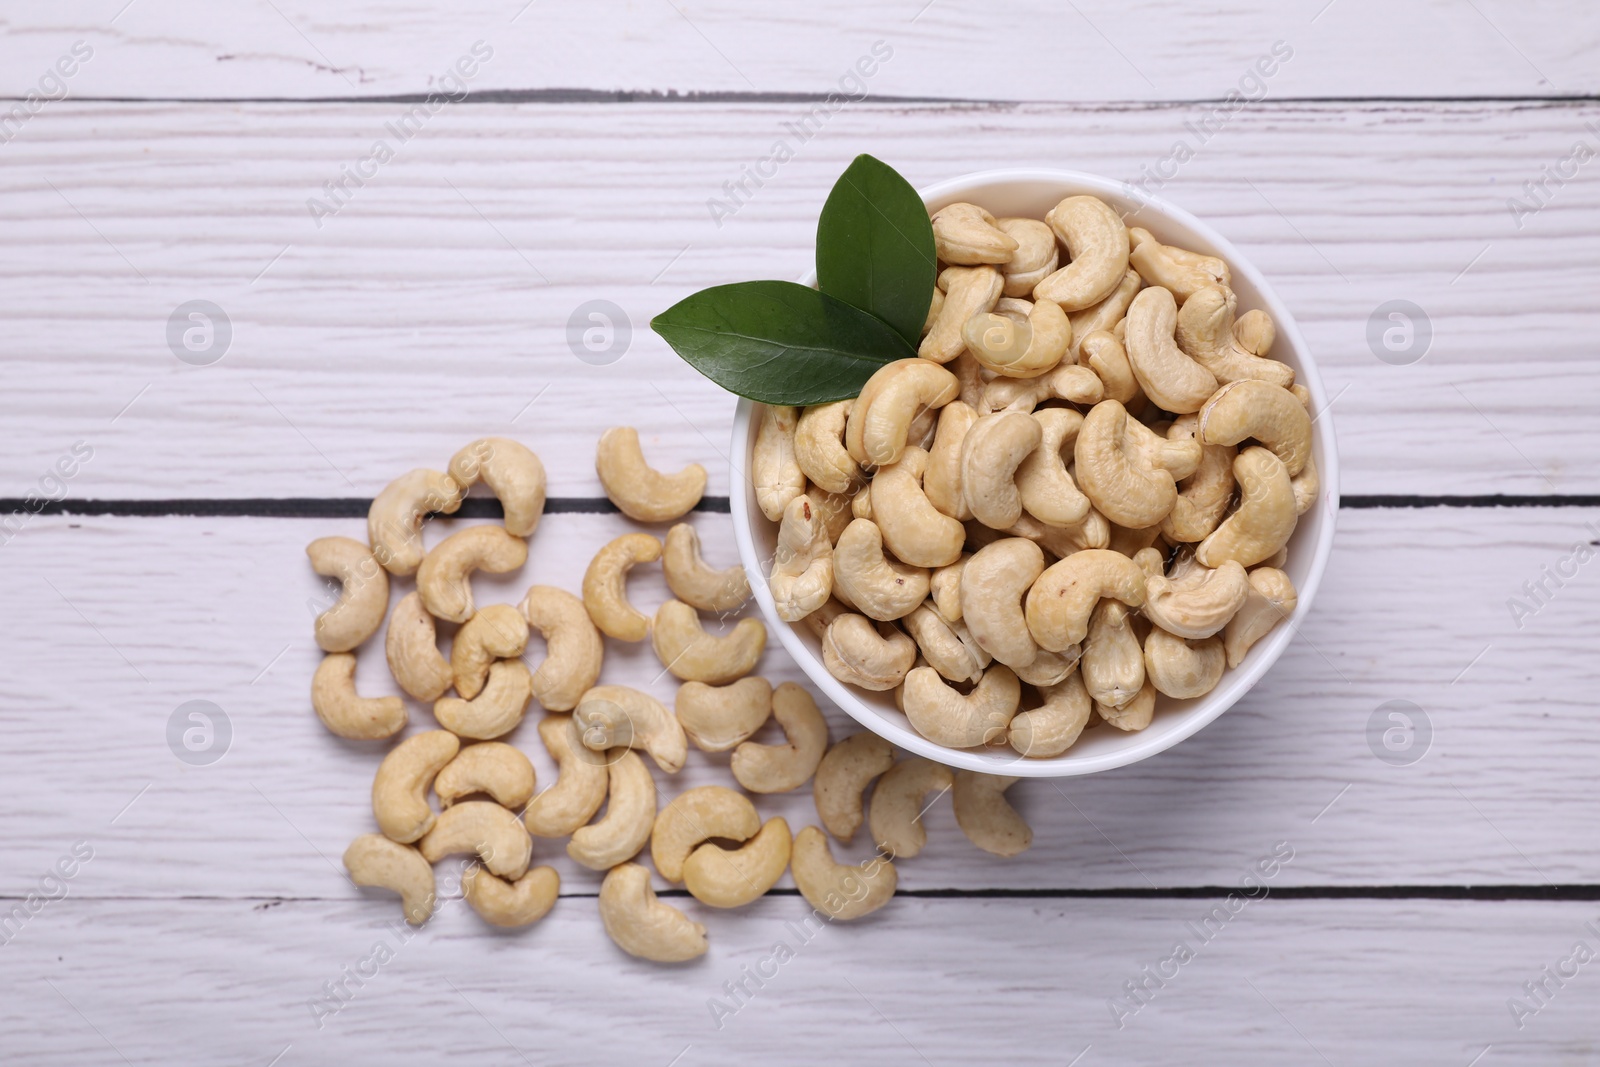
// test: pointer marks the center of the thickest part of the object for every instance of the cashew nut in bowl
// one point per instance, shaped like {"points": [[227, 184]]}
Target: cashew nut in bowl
{"points": [[643, 493], [993, 584], [716, 718], [966, 234], [1268, 413], [944, 589], [1135, 715], [874, 656], [444, 579], [819, 621], [496, 710], [1074, 384], [613, 716], [1205, 332], [1203, 497], [1060, 601], [692, 655], [1200, 603], [915, 531], [482, 828], [1116, 475], [492, 767], [573, 648], [1048, 492], [394, 522], [844, 891], [781, 768], [1178, 454], [1168, 376], [363, 596], [941, 480], [948, 647], [774, 471], [1097, 247], [400, 788], [1104, 316], [1035, 258], [1255, 332], [605, 591], [834, 510], [643, 926], [630, 814], [697, 815], [411, 645], [1055, 725], [345, 712], [819, 447], [498, 631], [1152, 561], [899, 801], [945, 716], [510, 904], [580, 788], [1182, 272], [802, 565], [1306, 486], [1132, 542], [1112, 666], [1107, 357], [374, 860], [880, 423], [844, 773], [990, 454], [880, 587], [1183, 668], [1264, 518], [986, 817], [968, 291], [1020, 349], [732, 878], [514, 474], [1050, 668], [1272, 598], [696, 583]]}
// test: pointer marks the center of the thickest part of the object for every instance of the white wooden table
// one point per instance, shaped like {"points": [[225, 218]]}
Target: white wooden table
{"points": [[426, 302]]}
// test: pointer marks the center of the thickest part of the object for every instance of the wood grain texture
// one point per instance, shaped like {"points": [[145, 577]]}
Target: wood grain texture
{"points": [[114, 623], [1036, 50]]}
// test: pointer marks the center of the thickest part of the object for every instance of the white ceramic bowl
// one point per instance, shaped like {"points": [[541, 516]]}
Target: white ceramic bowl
{"points": [[1031, 193]]}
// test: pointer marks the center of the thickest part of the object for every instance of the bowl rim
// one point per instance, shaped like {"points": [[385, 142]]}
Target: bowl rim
{"points": [[1238, 682]]}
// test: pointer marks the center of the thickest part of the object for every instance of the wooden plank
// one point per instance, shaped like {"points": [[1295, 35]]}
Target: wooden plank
{"points": [[936, 981], [1037, 51], [435, 305], [113, 623]]}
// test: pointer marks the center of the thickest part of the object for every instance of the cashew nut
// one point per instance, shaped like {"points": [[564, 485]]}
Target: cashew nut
{"points": [[944, 588], [693, 581], [641, 492], [1050, 668], [612, 716], [1265, 517], [1105, 315], [1167, 375], [345, 712], [1183, 668], [1272, 598], [993, 584], [374, 860], [498, 631], [1112, 666], [1116, 474], [363, 596], [941, 481], [1035, 258], [1054, 726], [1306, 485], [411, 645], [573, 648], [802, 566], [643, 926], [874, 656], [630, 814], [443, 580], [605, 591], [914, 530], [968, 235], [1077, 385], [732, 878], [819, 621], [483, 828], [781, 768], [519, 903], [1061, 600], [698, 815], [968, 291], [774, 471], [986, 817], [580, 786], [899, 801], [1198, 604], [945, 716], [511, 470], [1255, 332], [394, 522], [948, 647], [819, 447], [880, 422], [863, 575], [834, 508], [1061, 541], [1178, 454], [1263, 411], [492, 767], [990, 454], [1205, 332], [493, 712], [1048, 492], [1135, 714], [716, 718], [1097, 244], [1018, 347], [1109, 360], [1202, 497], [692, 655], [1178, 270], [842, 776], [400, 788], [844, 891]]}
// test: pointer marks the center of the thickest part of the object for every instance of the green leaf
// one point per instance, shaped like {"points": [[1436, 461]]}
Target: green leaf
{"points": [[875, 247], [779, 342]]}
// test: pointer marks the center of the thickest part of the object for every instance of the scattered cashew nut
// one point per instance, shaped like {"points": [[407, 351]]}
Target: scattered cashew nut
{"points": [[496, 710], [573, 648], [643, 926], [612, 716], [986, 817], [605, 590], [692, 655], [363, 596], [492, 767], [394, 522], [781, 768], [444, 579], [400, 788], [512, 471], [374, 860], [347, 713], [693, 581], [630, 814], [697, 815], [844, 891], [641, 492]]}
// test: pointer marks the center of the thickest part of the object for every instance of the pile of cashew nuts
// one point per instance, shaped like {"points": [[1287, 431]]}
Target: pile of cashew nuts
{"points": [[1063, 506], [488, 805]]}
